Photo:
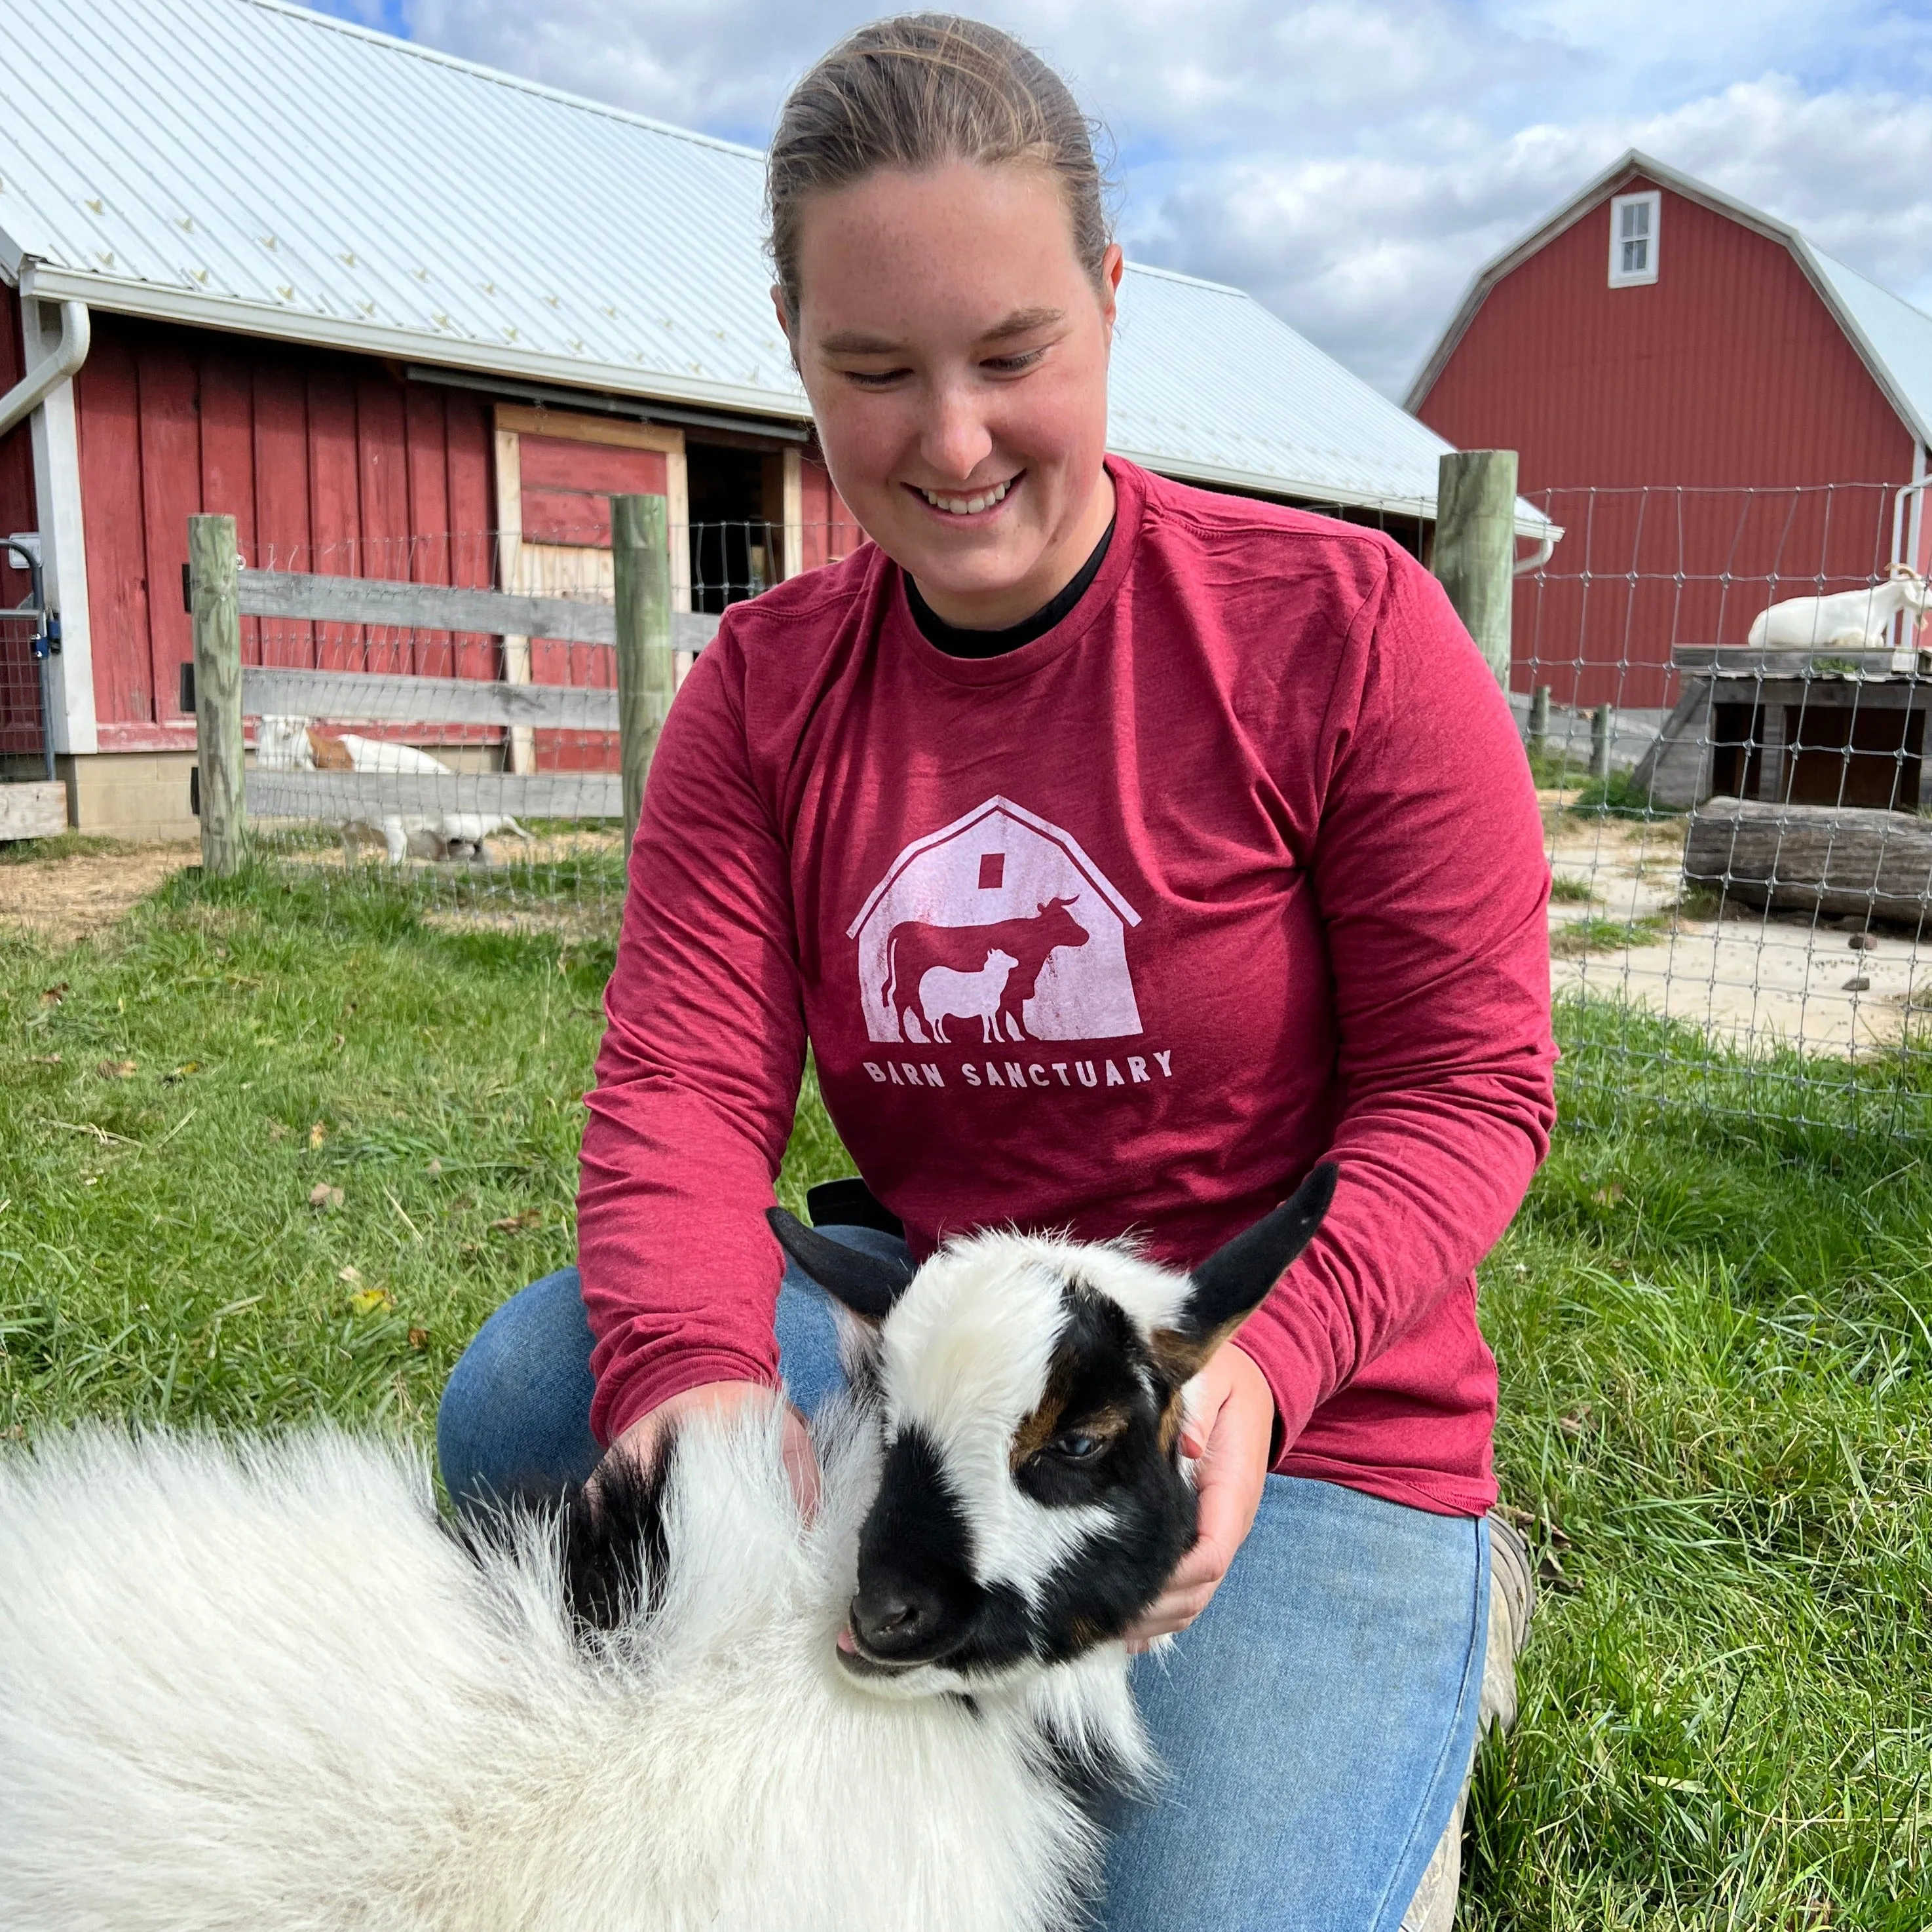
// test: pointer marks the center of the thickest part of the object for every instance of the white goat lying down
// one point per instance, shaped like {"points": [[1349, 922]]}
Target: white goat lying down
{"points": [[1846, 620], [263, 1688], [286, 744]]}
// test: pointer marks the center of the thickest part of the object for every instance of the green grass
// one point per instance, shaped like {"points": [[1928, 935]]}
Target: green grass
{"points": [[1714, 1318], [1565, 890]]}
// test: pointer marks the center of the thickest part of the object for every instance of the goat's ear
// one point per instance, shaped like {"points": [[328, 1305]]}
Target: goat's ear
{"points": [[1234, 1280], [866, 1285]]}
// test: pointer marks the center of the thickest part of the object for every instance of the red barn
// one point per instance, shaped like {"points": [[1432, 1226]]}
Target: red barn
{"points": [[1717, 414]]}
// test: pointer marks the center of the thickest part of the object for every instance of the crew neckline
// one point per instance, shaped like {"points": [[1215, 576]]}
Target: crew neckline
{"points": [[1022, 660], [958, 640]]}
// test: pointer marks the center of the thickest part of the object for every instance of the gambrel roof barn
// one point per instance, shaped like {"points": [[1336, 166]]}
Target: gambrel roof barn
{"points": [[1654, 335]]}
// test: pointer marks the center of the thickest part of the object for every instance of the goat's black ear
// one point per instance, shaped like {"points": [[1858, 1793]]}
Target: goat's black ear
{"points": [[1234, 1280], [866, 1285]]}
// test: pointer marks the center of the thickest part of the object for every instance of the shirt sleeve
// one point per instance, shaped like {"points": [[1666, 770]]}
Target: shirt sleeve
{"points": [[697, 1077], [1428, 872]]}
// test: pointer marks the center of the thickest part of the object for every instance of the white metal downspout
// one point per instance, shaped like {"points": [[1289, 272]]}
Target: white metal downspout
{"points": [[39, 381]]}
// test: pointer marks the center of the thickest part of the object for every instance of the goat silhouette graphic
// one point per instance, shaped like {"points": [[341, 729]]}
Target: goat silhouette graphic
{"points": [[914, 948]]}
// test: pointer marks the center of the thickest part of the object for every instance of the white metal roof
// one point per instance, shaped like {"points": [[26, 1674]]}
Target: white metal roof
{"points": [[247, 165], [1893, 338]]}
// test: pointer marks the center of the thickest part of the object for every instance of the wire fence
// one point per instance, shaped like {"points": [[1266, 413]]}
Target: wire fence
{"points": [[1724, 700]]}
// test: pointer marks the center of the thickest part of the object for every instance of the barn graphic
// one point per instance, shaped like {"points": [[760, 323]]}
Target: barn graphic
{"points": [[995, 928]]}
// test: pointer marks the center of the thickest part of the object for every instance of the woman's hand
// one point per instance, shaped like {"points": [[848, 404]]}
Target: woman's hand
{"points": [[641, 1441], [1231, 1431]]}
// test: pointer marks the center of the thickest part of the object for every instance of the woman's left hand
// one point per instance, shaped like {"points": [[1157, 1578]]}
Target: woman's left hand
{"points": [[1231, 1431]]}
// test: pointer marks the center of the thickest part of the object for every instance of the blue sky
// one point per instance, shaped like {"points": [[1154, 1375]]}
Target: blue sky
{"points": [[1351, 162]]}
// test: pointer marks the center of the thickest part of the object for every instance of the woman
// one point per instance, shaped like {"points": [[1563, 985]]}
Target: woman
{"points": [[1121, 850]]}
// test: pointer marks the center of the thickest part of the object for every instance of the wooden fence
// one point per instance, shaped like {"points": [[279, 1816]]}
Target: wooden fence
{"points": [[639, 625]]}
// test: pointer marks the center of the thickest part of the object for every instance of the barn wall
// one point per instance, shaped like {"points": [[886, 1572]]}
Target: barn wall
{"points": [[20, 686], [831, 532], [1727, 375], [327, 463]]}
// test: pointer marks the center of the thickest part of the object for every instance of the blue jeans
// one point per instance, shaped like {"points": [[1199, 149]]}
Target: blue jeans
{"points": [[1315, 1724]]}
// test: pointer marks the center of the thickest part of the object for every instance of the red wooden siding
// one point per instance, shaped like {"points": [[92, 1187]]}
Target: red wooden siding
{"points": [[567, 487], [830, 529], [1729, 375], [19, 679], [325, 462]]}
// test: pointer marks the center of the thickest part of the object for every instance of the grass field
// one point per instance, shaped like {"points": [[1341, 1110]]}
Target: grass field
{"points": [[266, 1155]]}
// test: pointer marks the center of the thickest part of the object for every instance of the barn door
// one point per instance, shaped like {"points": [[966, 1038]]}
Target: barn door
{"points": [[556, 473]]}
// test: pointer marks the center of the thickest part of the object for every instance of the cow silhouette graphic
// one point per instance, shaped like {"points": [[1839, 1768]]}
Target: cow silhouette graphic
{"points": [[914, 948]]}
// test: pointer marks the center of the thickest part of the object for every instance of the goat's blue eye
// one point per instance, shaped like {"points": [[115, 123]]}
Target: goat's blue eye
{"points": [[1077, 1448]]}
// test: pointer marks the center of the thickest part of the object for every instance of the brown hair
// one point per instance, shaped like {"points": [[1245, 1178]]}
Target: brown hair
{"points": [[914, 92]]}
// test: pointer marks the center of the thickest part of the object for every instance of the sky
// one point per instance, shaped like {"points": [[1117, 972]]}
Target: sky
{"points": [[1352, 165]]}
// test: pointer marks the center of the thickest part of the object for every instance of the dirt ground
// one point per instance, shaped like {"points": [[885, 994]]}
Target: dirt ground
{"points": [[65, 899], [1753, 980]]}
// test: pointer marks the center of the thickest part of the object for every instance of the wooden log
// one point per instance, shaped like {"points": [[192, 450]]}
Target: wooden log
{"points": [[1475, 553], [640, 546], [1833, 861], [33, 810], [215, 606], [360, 697]]}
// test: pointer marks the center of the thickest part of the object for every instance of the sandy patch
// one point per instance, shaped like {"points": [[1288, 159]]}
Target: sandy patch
{"points": [[65, 900], [1751, 980]]}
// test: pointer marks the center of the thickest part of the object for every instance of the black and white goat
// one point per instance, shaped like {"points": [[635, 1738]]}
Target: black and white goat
{"points": [[261, 1687]]}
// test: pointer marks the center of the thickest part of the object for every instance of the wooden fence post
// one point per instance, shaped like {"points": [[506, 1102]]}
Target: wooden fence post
{"points": [[641, 552], [1539, 720], [1475, 554], [215, 600]]}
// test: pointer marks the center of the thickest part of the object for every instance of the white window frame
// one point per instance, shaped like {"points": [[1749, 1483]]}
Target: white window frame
{"points": [[1652, 200]]}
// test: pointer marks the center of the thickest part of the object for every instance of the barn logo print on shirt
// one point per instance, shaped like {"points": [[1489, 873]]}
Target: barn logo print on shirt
{"points": [[995, 929]]}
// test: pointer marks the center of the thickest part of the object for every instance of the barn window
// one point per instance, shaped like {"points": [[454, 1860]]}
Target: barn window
{"points": [[1634, 220]]}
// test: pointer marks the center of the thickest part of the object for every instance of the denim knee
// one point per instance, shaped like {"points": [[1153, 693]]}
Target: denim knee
{"points": [[514, 1420]]}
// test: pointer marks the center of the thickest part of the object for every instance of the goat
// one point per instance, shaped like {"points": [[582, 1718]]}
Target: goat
{"points": [[261, 1687], [288, 744], [1846, 620]]}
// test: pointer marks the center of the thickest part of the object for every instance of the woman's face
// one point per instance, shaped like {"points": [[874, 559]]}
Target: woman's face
{"points": [[955, 354]]}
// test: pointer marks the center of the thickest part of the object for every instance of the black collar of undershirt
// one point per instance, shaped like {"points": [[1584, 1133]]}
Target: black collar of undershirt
{"points": [[957, 642]]}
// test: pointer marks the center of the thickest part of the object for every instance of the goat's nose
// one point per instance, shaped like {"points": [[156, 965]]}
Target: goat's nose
{"points": [[895, 1620]]}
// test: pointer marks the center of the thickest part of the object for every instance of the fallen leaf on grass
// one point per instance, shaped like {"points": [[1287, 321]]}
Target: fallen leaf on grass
{"points": [[511, 1224], [277, 1132], [180, 1072], [116, 1070], [418, 1338], [368, 1300], [317, 1135], [324, 1197], [1576, 1422], [52, 996]]}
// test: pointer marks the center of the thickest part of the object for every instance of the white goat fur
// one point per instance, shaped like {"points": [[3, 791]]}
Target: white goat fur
{"points": [[288, 744], [1846, 620], [262, 1687]]}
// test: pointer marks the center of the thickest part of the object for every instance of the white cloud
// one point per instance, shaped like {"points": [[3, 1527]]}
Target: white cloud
{"points": [[1352, 162]]}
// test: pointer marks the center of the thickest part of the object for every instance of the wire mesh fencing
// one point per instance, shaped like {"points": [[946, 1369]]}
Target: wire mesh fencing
{"points": [[1724, 700]]}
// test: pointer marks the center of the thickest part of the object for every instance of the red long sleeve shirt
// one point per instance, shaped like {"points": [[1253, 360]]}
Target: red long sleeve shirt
{"points": [[1236, 868]]}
